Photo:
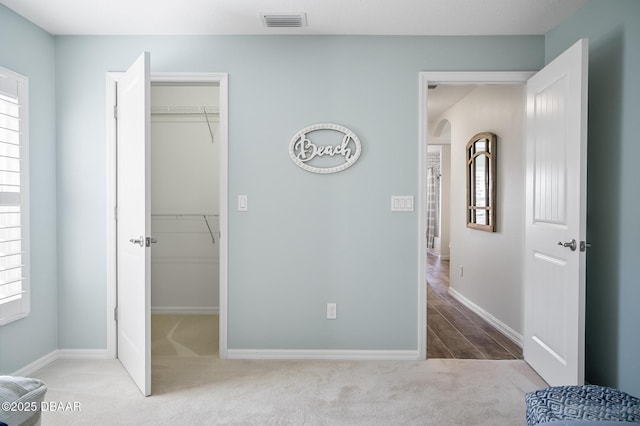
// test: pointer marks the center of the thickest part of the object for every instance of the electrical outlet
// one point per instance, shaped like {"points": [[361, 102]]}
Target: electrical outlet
{"points": [[332, 310]]}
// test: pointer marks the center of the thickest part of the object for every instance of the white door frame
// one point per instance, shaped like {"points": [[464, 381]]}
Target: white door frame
{"points": [[223, 80], [425, 79]]}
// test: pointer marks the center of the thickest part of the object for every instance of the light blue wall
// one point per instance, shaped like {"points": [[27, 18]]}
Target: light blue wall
{"points": [[28, 50], [306, 239], [613, 283], [309, 239]]}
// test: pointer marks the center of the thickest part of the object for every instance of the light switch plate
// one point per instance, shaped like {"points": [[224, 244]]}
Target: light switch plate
{"points": [[402, 203], [243, 205], [332, 310]]}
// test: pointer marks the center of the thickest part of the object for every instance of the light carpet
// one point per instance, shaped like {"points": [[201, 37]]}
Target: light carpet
{"points": [[191, 386]]}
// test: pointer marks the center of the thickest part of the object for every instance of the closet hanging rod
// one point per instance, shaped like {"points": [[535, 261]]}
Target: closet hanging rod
{"points": [[177, 215], [205, 110], [190, 217], [184, 109]]}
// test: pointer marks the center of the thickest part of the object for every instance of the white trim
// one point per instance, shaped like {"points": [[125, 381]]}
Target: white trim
{"points": [[30, 369], [36, 365], [223, 131], [422, 214], [503, 328], [425, 79], [185, 310], [112, 77], [223, 80], [83, 354], [476, 77], [438, 255], [14, 310], [320, 354], [187, 260]]}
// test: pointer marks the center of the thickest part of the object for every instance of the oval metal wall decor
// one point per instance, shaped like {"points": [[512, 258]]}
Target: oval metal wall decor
{"points": [[302, 150]]}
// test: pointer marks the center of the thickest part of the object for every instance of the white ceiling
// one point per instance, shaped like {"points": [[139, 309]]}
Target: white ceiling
{"points": [[379, 17], [444, 96]]}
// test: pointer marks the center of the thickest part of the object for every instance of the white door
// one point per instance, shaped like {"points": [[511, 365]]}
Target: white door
{"points": [[134, 222], [556, 218]]}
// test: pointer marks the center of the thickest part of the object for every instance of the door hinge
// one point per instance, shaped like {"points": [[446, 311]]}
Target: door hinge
{"points": [[115, 314], [115, 112], [115, 213]]}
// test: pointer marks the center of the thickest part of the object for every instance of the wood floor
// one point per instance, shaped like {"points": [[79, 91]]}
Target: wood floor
{"points": [[454, 331]]}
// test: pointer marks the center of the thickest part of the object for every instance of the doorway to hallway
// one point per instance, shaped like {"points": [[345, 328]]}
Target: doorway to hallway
{"points": [[453, 330]]}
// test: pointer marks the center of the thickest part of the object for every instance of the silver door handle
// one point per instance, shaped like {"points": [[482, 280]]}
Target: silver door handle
{"points": [[150, 240], [140, 241], [573, 245]]}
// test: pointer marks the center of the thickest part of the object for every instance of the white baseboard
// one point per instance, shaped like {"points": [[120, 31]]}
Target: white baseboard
{"points": [[300, 354], [283, 354], [185, 310], [83, 354], [42, 362], [510, 333], [29, 369], [438, 254]]}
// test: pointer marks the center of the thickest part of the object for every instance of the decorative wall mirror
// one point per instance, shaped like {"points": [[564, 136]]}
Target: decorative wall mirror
{"points": [[481, 182]]}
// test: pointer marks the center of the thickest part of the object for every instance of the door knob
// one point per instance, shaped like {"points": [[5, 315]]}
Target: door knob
{"points": [[150, 240], [140, 241], [571, 244]]}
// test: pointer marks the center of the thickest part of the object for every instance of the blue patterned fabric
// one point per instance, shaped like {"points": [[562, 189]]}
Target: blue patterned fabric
{"points": [[588, 402]]}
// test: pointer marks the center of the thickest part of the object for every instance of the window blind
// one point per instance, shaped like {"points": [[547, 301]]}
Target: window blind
{"points": [[14, 241]]}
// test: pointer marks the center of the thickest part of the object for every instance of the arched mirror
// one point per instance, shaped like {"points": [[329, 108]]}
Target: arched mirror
{"points": [[481, 182]]}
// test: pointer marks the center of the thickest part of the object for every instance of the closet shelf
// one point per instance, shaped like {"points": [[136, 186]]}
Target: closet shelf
{"points": [[187, 111], [189, 216], [181, 215], [184, 109]]}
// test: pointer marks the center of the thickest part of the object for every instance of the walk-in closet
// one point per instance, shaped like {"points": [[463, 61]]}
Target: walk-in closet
{"points": [[184, 219]]}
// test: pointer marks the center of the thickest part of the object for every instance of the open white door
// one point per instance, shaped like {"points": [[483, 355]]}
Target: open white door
{"points": [[555, 227], [134, 222]]}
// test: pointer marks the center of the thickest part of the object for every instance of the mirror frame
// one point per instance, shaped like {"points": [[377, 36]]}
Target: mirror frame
{"points": [[487, 192]]}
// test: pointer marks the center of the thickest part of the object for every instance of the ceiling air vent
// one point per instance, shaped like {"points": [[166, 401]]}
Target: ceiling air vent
{"points": [[284, 20]]}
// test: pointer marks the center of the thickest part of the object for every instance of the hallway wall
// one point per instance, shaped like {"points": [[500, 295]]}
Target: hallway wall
{"points": [[491, 262]]}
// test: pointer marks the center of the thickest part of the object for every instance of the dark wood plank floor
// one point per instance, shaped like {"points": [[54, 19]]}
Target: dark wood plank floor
{"points": [[454, 331]]}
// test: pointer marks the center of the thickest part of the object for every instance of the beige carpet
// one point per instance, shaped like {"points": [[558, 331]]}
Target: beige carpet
{"points": [[192, 386], [184, 335]]}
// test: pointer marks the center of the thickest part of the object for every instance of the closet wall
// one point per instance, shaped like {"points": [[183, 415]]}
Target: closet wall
{"points": [[184, 198]]}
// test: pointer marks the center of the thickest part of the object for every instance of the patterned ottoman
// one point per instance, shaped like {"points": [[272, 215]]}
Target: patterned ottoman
{"points": [[20, 400], [589, 402]]}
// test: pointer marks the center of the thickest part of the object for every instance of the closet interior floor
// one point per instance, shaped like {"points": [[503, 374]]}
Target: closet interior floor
{"points": [[453, 330]]}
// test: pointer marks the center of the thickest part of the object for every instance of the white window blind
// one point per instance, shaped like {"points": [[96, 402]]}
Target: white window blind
{"points": [[14, 197]]}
